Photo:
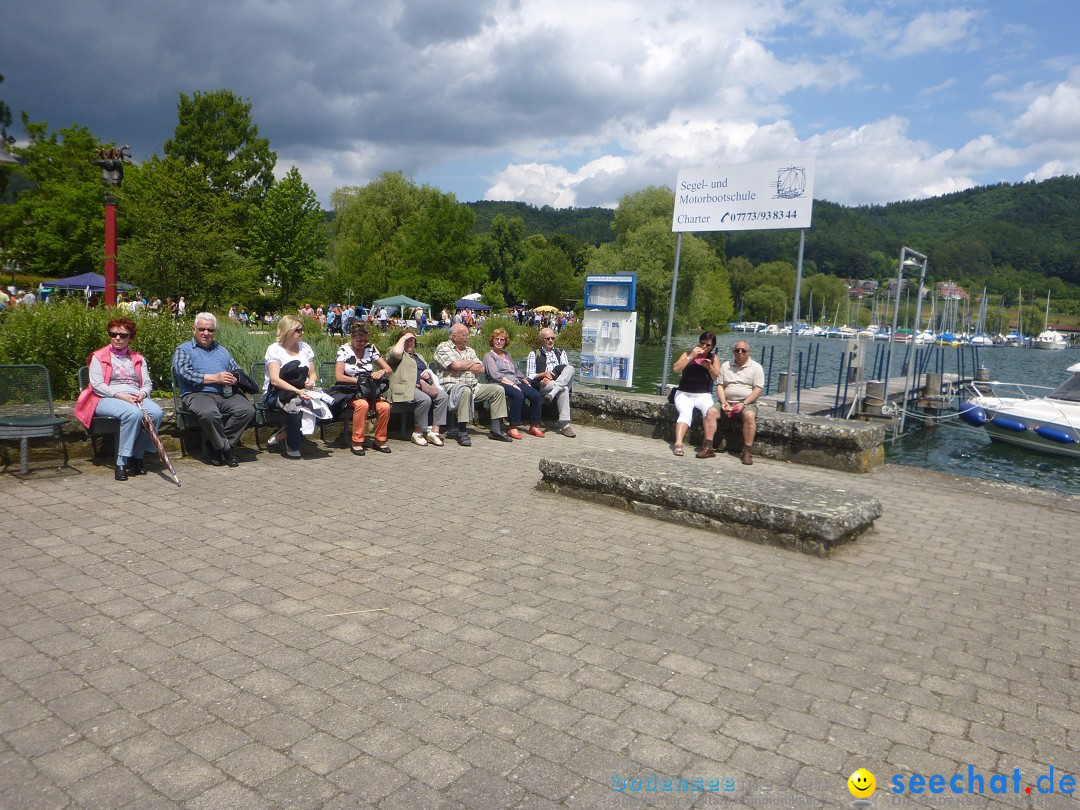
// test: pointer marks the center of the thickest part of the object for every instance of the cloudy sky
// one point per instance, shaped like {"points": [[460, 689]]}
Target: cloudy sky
{"points": [[570, 103]]}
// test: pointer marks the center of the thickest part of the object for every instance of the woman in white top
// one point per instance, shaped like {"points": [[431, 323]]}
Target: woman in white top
{"points": [[291, 373]]}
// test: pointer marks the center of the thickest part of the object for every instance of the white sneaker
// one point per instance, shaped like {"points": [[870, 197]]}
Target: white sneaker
{"points": [[419, 439], [434, 438]]}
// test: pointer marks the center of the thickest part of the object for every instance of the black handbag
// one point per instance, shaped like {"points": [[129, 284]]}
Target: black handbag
{"points": [[244, 383], [371, 389]]}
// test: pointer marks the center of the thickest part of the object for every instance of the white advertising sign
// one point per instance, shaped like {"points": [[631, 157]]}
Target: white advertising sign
{"points": [[746, 197]]}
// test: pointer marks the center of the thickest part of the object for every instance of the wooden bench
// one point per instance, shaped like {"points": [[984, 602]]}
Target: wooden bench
{"points": [[719, 497]]}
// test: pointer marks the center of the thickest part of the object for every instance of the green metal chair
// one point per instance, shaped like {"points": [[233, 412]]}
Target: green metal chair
{"points": [[185, 419], [264, 417], [26, 410], [100, 426]]}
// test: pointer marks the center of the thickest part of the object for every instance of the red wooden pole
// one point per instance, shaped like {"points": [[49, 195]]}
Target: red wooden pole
{"points": [[110, 253]]}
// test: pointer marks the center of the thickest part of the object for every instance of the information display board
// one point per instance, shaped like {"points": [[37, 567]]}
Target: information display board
{"points": [[608, 339], [617, 293], [747, 197]]}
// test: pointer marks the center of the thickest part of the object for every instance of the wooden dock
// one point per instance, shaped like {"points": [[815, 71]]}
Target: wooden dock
{"points": [[824, 400]]}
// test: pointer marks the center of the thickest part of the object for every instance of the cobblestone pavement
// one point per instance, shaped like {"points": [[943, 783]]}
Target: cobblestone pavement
{"points": [[426, 629]]}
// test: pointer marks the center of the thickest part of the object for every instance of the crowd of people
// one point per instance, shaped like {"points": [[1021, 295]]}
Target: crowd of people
{"points": [[442, 392]]}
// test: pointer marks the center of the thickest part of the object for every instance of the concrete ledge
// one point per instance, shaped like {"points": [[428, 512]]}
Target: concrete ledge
{"points": [[838, 444], [810, 519]]}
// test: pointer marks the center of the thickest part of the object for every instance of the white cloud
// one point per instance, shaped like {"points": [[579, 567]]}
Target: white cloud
{"points": [[560, 102]]}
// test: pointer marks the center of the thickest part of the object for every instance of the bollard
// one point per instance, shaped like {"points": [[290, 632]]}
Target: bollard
{"points": [[932, 388], [874, 401], [982, 374], [784, 386]]}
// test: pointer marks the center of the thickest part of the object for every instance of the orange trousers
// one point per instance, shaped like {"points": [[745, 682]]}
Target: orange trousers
{"points": [[359, 420]]}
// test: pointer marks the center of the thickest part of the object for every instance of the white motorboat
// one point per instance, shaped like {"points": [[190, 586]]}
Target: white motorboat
{"points": [[1050, 339], [1025, 416]]}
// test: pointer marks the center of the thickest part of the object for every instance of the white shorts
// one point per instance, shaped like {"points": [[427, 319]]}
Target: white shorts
{"points": [[685, 404]]}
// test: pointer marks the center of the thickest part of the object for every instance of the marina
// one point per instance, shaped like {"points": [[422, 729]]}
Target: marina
{"points": [[938, 442]]}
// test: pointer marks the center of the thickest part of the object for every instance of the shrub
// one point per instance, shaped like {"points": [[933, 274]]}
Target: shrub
{"points": [[61, 336]]}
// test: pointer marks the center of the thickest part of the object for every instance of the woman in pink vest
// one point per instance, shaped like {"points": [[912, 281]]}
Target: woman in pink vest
{"points": [[120, 386]]}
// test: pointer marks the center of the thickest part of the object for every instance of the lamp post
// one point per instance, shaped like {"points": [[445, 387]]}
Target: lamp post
{"points": [[909, 260], [112, 162]]}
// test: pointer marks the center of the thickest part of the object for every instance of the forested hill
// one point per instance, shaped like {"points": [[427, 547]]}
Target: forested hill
{"points": [[590, 225], [999, 235]]}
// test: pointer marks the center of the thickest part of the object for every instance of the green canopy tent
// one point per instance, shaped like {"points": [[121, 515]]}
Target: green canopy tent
{"points": [[400, 302]]}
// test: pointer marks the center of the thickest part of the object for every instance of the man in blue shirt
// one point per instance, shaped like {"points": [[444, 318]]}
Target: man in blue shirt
{"points": [[205, 372]]}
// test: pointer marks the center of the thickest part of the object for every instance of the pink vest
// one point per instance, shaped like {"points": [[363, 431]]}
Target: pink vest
{"points": [[87, 402]]}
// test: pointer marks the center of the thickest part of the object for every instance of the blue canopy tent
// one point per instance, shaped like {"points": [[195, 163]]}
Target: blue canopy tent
{"points": [[468, 303], [84, 283]]}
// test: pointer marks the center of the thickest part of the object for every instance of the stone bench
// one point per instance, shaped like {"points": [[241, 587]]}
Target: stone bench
{"points": [[747, 504], [838, 444]]}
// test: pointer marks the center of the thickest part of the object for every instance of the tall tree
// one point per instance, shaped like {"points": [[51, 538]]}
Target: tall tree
{"points": [[5, 140], [55, 226], [181, 237], [645, 244], [215, 132], [546, 276], [392, 236], [288, 234]]}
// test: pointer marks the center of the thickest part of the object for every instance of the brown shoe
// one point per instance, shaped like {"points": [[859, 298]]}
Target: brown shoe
{"points": [[705, 452], [746, 457]]}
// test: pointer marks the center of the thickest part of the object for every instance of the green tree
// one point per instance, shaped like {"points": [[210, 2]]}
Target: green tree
{"points": [[500, 250], [826, 291], [765, 303], [492, 295], [181, 235], [645, 244], [392, 236], [436, 244], [214, 131], [55, 226], [547, 277], [366, 220], [5, 140], [288, 234]]}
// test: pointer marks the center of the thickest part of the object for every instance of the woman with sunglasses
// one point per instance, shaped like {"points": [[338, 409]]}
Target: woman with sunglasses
{"points": [[699, 368], [500, 368], [291, 374], [359, 361], [120, 386]]}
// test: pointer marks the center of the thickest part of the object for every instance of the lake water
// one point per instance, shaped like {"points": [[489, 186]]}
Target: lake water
{"points": [[951, 447]]}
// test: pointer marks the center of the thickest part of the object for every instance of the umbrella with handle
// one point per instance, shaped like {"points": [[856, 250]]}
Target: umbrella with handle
{"points": [[148, 426]]}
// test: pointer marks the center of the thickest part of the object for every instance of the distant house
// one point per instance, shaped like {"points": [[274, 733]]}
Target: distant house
{"points": [[947, 290]]}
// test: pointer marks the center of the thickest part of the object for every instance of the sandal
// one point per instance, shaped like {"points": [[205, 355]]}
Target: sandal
{"points": [[678, 450]]}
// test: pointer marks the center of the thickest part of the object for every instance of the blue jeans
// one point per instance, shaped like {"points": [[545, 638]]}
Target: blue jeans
{"points": [[133, 442], [515, 399], [293, 421]]}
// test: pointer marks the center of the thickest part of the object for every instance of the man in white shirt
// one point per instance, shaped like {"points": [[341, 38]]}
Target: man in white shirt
{"points": [[550, 371]]}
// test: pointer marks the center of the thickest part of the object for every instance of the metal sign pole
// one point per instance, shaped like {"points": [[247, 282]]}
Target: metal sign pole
{"points": [[671, 316], [794, 321]]}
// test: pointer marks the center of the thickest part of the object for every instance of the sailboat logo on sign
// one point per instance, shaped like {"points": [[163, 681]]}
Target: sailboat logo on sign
{"points": [[790, 183]]}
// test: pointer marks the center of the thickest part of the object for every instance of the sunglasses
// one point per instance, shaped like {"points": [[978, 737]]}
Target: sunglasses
{"points": [[740, 351], [299, 330], [209, 329], [119, 334]]}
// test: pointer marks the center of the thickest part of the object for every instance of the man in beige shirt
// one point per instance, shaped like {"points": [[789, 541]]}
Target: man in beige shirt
{"points": [[740, 383]]}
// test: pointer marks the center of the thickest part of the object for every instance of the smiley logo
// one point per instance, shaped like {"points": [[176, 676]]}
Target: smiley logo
{"points": [[862, 784]]}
